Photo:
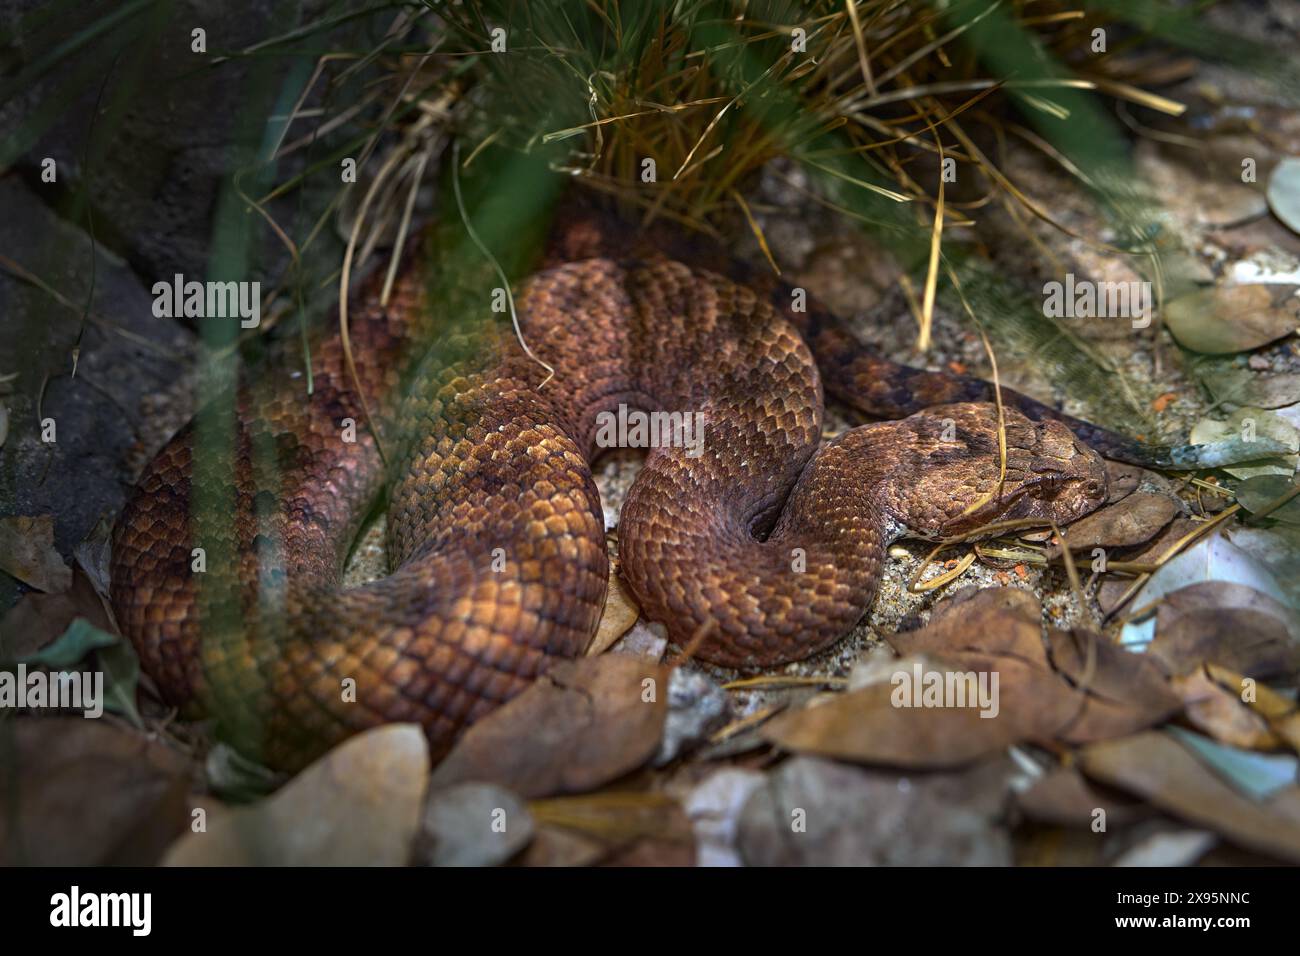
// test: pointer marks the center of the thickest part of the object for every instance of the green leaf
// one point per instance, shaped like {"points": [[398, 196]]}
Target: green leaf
{"points": [[1259, 492], [114, 657], [121, 675], [72, 645]]}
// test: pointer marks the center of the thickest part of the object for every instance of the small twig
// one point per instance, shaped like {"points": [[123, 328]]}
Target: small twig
{"points": [[693, 645], [1177, 546], [947, 577], [1071, 571], [744, 723], [785, 680]]}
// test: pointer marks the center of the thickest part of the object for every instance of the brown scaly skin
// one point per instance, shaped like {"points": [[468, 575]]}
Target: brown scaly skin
{"points": [[495, 529], [851, 370]]}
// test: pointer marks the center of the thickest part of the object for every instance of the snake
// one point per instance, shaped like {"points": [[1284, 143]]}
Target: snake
{"points": [[761, 545]]}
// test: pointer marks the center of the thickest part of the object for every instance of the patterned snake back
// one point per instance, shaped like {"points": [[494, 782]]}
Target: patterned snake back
{"points": [[767, 545]]}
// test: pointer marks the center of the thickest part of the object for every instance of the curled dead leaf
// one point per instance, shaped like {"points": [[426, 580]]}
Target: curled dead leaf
{"points": [[1248, 641], [580, 725], [1214, 709], [27, 553], [618, 617], [1126, 691], [1281, 713]]}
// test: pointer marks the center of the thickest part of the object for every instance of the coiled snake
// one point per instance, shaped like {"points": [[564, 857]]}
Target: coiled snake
{"points": [[770, 542]]}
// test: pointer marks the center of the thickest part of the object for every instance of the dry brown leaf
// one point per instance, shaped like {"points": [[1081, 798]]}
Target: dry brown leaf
{"points": [[88, 793], [38, 619], [1232, 318], [617, 619], [1122, 480], [27, 552], [1221, 203], [582, 724], [1227, 595], [994, 632], [1134, 520], [1208, 595], [865, 726], [1250, 642], [1212, 708], [1156, 767], [1063, 797], [1117, 694], [1282, 714], [617, 828], [1113, 587], [1109, 670], [948, 627], [359, 805], [1126, 692]]}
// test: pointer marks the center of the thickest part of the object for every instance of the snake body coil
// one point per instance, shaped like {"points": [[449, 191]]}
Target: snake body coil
{"points": [[770, 541]]}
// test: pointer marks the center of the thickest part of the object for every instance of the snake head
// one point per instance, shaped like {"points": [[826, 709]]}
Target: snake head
{"points": [[946, 479]]}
